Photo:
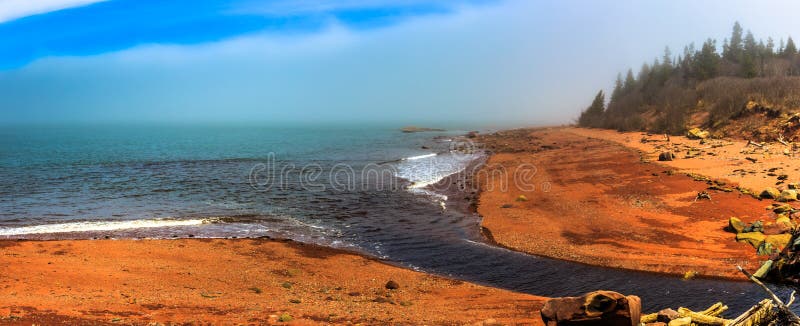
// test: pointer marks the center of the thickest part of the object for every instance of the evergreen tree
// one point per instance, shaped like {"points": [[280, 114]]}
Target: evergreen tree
{"points": [[707, 61], [749, 57], [630, 82], [618, 88], [770, 47], [644, 74], [666, 60], [790, 49], [734, 49], [593, 115]]}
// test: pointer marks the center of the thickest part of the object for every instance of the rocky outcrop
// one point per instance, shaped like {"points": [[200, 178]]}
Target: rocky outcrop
{"points": [[593, 309]]}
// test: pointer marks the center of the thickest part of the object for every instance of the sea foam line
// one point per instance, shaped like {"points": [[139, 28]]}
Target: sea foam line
{"points": [[419, 157], [88, 226]]}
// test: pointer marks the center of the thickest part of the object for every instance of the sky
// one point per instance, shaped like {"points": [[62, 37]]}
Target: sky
{"points": [[478, 62]]}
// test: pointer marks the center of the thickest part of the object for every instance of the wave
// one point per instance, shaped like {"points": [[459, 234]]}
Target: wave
{"points": [[89, 226], [418, 157]]}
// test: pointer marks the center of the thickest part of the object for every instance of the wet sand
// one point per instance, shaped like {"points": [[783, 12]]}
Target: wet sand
{"points": [[598, 202], [232, 281]]}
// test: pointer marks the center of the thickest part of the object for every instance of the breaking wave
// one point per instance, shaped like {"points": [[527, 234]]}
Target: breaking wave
{"points": [[93, 226]]}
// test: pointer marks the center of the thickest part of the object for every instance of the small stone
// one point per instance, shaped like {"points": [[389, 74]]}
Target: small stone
{"points": [[769, 193], [780, 209], [784, 222], [284, 318], [383, 300], [392, 285], [696, 133], [793, 185], [667, 315], [788, 195], [522, 198], [666, 156], [735, 224]]}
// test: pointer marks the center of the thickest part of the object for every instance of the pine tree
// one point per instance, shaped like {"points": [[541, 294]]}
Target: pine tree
{"points": [[749, 57], [733, 51], [630, 82], [618, 88], [770, 47], [790, 49], [593, 115], [666, 60], [707, 61]]}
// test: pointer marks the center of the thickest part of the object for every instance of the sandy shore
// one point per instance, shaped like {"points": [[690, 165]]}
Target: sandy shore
{"points": [[598, 202], [244, 281]]}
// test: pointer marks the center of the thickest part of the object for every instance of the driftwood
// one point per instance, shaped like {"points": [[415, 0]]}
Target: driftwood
{"points": [[757, 315], [780, 140], [785, 314], [750, 142]]}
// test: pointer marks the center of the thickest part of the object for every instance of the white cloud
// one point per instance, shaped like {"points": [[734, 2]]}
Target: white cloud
{"points": [[14, 9], [288, 7]]}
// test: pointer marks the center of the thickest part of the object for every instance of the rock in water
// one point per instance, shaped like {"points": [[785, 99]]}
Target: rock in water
{"points": [[736, 225], [594, 308], [770, 193], [666, 156]]}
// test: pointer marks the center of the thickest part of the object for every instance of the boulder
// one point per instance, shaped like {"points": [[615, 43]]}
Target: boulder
{"points": [[753, 238], [784, 222], [736, 225], [666, 156], [697, 133], [780, 209], [594, 308], [778, 241], [788, 195], [769, 193]]}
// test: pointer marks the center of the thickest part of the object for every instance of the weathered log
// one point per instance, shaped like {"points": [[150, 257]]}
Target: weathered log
{"points": [[788, 316]]}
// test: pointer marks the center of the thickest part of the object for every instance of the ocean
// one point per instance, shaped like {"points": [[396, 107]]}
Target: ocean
{"points": [[366, 189]]}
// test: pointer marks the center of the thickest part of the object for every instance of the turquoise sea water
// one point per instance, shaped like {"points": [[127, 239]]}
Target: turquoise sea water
{"points": [[178, 174]]}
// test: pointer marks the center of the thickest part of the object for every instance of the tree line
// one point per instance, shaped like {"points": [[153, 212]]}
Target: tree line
{"points": [[663, 93]]}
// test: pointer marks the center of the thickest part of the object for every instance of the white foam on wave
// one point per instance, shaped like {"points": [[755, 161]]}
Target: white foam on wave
{"points": [[419, 157], [89, 226], [426, 170]]}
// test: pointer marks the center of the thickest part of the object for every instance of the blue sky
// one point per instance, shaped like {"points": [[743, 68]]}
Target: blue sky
{"points": [[491, 62]]}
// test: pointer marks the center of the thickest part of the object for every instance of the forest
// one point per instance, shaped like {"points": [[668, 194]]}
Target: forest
{"points": [[705, 87]]}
